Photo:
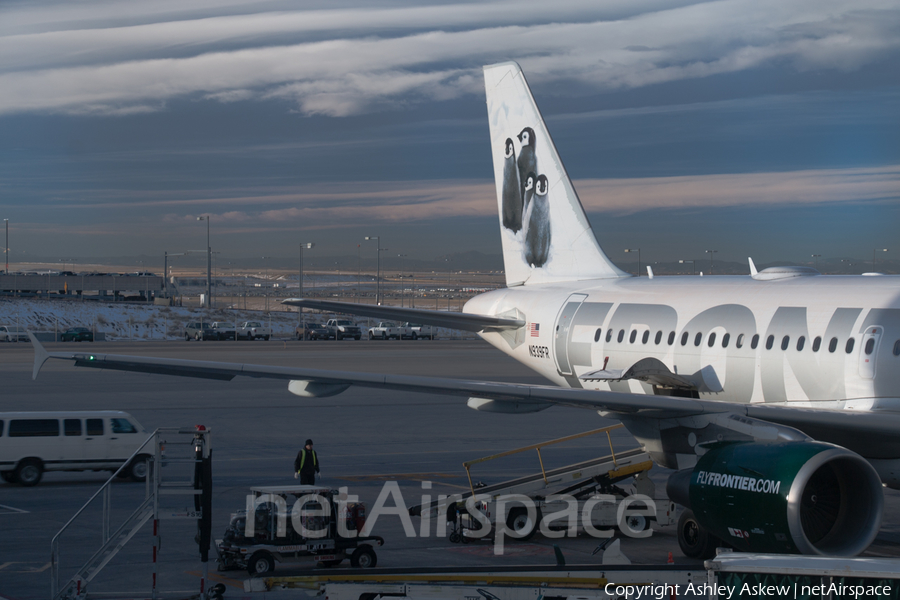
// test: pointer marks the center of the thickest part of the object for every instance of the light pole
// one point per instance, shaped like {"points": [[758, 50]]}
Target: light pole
{"points": [[266, 284], [873, 255], [710, 252], [7, 245], [308, 246], [377, 268], [400, 277], [208, 263], [815, 257], [638, 250], [688, 261]]}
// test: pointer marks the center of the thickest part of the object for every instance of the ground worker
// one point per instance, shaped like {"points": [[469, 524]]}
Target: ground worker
{"points": [[306, 465]]}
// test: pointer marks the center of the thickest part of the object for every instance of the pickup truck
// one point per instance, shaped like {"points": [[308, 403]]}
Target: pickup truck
{"points": [[388, 330], [252, 330], [223, 330], [341, 328], [311, 331], [420, 331]]}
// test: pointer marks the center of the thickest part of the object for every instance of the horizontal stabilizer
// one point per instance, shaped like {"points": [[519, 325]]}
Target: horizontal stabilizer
{"points": [[436, 318]]}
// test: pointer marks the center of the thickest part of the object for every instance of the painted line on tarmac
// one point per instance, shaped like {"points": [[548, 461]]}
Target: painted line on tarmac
{"points": [[219, 578], [11, 510]]}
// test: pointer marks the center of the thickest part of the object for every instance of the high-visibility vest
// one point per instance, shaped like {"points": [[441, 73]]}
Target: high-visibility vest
{"points": [[303, 459]]}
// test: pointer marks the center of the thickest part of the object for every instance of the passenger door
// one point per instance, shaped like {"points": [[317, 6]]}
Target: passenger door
{"points": [[96, 440], [868, 354], [123, 438], [563, 332]]}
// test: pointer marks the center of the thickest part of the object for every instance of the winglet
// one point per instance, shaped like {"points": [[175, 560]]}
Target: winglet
{"points": [[753, 270], [40, 355]]}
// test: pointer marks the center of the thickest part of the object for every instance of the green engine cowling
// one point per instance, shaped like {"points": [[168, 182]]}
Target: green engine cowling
{"points": [[790, 497]]}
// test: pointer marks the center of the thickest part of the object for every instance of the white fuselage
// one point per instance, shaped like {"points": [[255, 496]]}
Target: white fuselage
{"points": [[706, 328]]}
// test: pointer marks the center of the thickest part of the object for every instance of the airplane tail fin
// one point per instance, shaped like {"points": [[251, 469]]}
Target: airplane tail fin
{"points": [[545, 232]]}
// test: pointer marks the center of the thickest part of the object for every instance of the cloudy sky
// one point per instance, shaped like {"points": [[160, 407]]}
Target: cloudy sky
{"points": [[768, 128]]}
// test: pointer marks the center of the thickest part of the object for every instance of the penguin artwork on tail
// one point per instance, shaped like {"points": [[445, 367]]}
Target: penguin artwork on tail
{"points": [[527, 162], [512, 192], [537, 225]]}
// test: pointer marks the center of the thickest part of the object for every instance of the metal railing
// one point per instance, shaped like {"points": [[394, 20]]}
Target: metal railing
{"points": [[538, 446]]}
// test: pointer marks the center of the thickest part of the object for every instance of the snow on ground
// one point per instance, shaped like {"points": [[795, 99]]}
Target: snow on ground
{"points": [[124, 321]]}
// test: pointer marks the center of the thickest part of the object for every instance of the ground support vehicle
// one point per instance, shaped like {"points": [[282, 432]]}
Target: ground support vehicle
{"points": [[584, 482], [387, 330], [198, 330], [224, 330], [342, 328], [12, 333], [77, 334], [253, 330], [420, 332], [255, 542]]}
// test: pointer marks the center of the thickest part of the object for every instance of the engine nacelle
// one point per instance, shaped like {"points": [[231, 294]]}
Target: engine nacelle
{"points": [[791, 497]]}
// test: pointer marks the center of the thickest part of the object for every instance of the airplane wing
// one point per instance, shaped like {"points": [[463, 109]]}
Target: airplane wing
{"points": [[464, 321], [879, 430]]}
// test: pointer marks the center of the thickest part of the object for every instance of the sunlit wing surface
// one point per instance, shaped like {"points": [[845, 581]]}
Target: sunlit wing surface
{"points": [[462, 321]]}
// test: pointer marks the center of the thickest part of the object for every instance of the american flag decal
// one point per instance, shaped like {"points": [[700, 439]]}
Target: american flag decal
{"points": [[535, 330]]}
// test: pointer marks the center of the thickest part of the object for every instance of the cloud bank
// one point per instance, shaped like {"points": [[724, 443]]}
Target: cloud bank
{"points": [[351, 60]]}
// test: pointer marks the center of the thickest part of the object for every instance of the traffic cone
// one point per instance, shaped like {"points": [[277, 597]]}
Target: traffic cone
{"points": [[671, 560]]}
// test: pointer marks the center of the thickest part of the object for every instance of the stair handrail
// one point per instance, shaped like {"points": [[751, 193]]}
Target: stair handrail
{"points": [[54, 543]]}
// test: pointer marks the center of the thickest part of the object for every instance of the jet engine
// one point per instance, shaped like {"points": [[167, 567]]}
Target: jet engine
{"points": [[790, 498]]}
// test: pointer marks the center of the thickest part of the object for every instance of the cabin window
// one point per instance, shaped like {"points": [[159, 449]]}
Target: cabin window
{"points": [[672, 338], [646, 337], [697, 339], [801, 341], [597, 335], [72, 426], [785, 342], [633, 336], [849, 347], [870, 345], [754, 341], [712, 339], [658, 338], [621, 336], [609, 334], [33, 427], [684, 338], [725, 339], [897, 348], [817, 343], [770, 341], [739, 342], [832, 345]]}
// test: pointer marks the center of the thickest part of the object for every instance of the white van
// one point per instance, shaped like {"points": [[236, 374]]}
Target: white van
{"points": [[34, 442]]}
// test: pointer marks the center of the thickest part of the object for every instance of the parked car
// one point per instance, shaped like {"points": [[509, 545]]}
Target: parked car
{"points": [[199, 330], [311, 331], [77, 334], [387, 330], [34, 442], [418, 332], [252, 330], [223, 329], [342, 328], [11, 333]]}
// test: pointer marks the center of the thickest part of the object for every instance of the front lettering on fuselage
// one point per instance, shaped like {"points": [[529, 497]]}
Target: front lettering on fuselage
{"points": [[539, 351]]}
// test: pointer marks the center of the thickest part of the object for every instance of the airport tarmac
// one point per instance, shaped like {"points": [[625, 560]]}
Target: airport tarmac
{"points": [[363, 437]]}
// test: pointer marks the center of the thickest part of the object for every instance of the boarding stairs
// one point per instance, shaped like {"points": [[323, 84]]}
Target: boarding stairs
{"points": [[173, 456], [591, 474]]}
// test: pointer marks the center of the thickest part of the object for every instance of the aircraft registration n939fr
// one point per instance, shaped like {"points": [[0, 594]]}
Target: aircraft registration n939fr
{"points": [[775, 396]]}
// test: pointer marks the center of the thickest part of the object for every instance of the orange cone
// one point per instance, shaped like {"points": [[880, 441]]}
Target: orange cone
{"points": [[671, 560]]}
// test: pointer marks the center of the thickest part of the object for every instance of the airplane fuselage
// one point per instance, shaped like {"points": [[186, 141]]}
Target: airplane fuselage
{"points": [[737, 338]]}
